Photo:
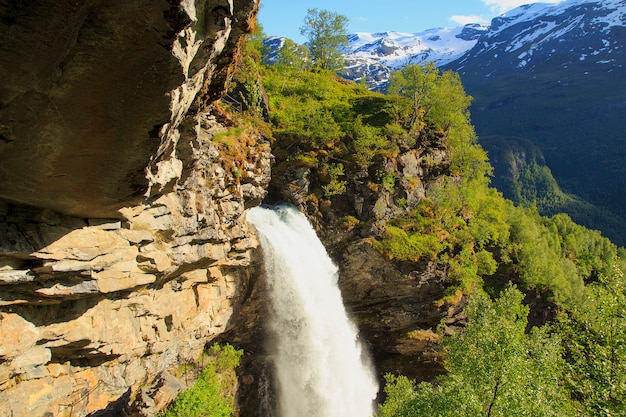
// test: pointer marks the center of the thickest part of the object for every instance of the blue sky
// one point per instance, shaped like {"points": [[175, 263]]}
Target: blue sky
{"points": [[285, 17]]}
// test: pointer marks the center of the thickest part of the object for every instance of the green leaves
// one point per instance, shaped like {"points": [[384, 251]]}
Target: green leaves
{"points": [[494, 369], [327, 33], [595, 336], [426, 96], [293, 57], [213, 394]]}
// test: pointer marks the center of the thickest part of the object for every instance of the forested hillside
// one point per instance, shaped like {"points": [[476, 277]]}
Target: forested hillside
{"points": [[553, 74], [545, 332]]}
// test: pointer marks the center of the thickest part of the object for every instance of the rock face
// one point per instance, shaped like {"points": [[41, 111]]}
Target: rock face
{"points": [[93, 90], [124, 248], [395, 304], [122, 230]]}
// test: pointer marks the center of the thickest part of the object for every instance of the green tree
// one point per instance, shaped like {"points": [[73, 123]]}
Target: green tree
{"points": [[291, 60], [595, 336], [327, 33], [416, 83], [495, 368], [292, 56], [425, 96]]}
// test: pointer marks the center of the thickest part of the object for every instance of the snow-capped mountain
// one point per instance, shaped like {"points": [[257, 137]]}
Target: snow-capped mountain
{"points": [[567, 33], [373, 55], [538, 35], [530, 35]]}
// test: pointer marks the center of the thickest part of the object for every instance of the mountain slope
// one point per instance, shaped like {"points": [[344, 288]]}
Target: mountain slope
{"points": [[374, 55], [555, 75]]}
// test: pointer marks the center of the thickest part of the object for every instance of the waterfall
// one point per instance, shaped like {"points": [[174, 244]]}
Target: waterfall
{"points": [[321, 367]]}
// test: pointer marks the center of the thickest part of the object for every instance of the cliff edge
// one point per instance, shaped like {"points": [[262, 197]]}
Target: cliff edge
{"points": [[121, 226]]}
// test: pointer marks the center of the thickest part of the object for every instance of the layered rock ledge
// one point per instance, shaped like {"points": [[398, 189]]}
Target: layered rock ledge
{"points": [[122, 230]]}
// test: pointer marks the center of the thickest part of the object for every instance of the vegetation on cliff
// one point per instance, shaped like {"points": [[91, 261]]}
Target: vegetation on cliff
{"points": [[213, 393], [499, 256], [521, 174]]}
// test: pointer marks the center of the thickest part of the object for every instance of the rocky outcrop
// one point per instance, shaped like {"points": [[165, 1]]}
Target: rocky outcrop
{"points": [[396, 307], [96, 307], [122, 230], [94, 90], [395, 304]]}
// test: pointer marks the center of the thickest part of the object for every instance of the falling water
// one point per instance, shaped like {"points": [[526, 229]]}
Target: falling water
{"points": [[321, 367]]}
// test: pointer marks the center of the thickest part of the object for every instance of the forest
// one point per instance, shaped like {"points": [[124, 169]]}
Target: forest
{"points": [[497, 255]]}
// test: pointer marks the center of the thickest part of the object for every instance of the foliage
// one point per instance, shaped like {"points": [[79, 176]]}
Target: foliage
{"points": [[583, 144], [293, 57], [367, 142], [244, 104], [592, 253], [213, 394], [495, 368], [594, 334], [335, 185], [338, 123], [555, 254], [416, 83], [327, 33], [458, 225], [399, 244], [537, 259], [463, 224], [439, 99]]}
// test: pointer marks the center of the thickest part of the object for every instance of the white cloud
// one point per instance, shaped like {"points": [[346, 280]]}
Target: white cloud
{"points": [[465, 19], [501, 6], [362, 19]]}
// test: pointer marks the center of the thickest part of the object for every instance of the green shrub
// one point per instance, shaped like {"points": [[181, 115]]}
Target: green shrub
{"points": [[213, 394], [398, 244], [495, 368]]}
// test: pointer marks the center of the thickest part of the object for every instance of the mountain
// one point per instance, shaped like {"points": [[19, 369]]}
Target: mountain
{"points": [[551, 74], [555, 75], [524, 39], [374, 55], [531, 37]]}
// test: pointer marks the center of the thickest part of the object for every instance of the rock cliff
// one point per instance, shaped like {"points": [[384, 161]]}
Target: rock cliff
{"points": [[395, 304], [122, 233]]}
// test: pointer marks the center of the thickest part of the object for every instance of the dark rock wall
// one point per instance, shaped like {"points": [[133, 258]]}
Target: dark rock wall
{"points": [[90, 88]]}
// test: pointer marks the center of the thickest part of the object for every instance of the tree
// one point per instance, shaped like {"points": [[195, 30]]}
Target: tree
{"points": [[595, 336], [292, 56], [416, 83], [495, 368], [327, 33]]}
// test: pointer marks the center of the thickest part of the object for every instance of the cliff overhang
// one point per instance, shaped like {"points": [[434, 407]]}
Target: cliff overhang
{"points": [[122, 231]]}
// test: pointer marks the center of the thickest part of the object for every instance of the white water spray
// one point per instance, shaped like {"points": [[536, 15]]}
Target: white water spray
{"points": [[321, 367]]}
